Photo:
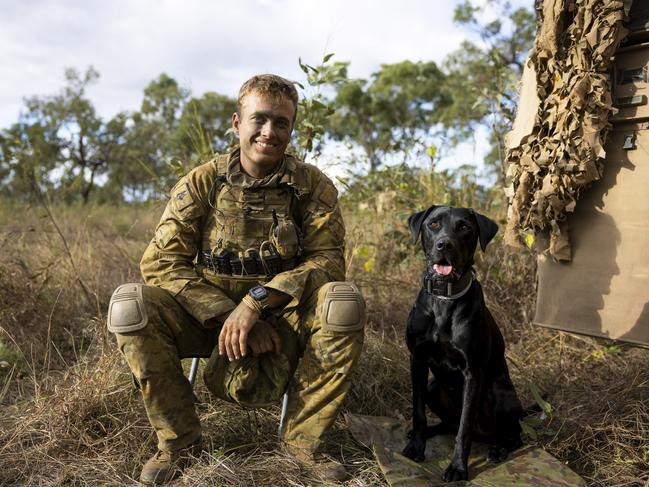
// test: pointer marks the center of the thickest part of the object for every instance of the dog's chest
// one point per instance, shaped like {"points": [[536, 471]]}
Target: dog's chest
{"points": [[441, 349]]}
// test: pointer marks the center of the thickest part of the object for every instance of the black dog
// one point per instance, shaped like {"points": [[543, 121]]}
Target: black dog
{"points": [[451, 332]]}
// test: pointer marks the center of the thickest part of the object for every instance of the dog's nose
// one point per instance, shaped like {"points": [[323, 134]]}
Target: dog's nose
{"points": [[444, 244]]}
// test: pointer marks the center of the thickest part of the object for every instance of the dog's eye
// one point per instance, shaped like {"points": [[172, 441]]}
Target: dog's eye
{"points": [[434, 225]]}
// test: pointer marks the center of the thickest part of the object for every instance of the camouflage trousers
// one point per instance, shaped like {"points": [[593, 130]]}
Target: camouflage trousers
{"points": [[319, 384]]}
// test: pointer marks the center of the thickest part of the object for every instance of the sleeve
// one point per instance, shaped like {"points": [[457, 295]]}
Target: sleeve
{"points": [[168, 261], [323, 246]]}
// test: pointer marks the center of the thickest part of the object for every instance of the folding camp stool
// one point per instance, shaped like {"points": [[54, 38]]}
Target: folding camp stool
{"points": [[192, 378]]}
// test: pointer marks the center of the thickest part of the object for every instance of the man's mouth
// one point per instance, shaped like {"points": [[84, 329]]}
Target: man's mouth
{"points": [[265, 145]]}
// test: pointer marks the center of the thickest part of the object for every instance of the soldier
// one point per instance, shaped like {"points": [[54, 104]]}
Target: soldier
{"points": [[246, 267]]}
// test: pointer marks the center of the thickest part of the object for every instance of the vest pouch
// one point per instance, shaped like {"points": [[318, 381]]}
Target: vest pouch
{"points": [[284, 236]]}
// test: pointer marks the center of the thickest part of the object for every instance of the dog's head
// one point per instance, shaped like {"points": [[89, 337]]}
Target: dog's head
{"points": [[449, 237]]}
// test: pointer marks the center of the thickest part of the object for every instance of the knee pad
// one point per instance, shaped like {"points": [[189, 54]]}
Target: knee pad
{"points": [[341, 307], [126, 311]]}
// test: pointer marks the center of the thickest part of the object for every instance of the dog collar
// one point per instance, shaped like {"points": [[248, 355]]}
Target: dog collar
{"points": [[447, 290]]}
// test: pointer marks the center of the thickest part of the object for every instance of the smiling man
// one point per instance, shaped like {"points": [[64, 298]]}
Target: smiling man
{"points": [[246, 267]]}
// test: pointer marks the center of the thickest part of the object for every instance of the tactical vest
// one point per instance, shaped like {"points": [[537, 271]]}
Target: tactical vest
{"points": [[253, 231]]}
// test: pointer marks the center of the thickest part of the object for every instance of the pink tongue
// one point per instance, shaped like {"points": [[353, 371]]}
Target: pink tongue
{"points": [[443, 270]]}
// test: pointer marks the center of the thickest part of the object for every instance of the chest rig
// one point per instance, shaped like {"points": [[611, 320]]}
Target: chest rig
{"points": [[254, 227]]}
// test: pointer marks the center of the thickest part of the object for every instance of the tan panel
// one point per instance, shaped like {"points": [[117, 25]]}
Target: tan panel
{"points": [[604, 291]]}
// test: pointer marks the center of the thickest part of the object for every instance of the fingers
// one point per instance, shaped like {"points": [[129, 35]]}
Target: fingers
{"points": [[222, 338], [230, 342], [242, 344], [235, 331], [235, 339], [233, 345]]}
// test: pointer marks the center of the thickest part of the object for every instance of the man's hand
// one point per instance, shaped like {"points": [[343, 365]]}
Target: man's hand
{"points": [[233, 338], [263, 339]]}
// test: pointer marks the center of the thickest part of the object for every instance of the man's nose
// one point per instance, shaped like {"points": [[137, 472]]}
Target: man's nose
{"points": [[268, 128]]}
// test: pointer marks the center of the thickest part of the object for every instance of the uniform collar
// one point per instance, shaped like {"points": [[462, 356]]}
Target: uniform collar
{"points": [[236, 176], [286, 172]]}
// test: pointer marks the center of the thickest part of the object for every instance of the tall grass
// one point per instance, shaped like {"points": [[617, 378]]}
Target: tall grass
{"points": [[69, 414]]}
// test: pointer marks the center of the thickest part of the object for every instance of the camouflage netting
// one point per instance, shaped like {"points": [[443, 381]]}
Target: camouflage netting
{"points": [[561, 151]]}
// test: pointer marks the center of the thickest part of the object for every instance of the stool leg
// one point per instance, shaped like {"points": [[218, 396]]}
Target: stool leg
{"points": [[283, 416]]}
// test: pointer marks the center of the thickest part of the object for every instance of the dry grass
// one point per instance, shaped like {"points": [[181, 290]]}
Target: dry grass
{"points": [[70, 415]]}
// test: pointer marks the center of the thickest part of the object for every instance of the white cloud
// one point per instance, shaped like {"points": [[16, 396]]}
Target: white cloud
{"points": [[207, 45]]}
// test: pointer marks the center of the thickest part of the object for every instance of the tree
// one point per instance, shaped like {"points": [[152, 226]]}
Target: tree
{"points": [[204, 127], [29, 150], [482, 76], [392, 115], [60, 135]]}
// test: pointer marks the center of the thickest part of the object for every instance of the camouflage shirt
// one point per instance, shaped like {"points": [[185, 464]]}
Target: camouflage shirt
{"points": [[172, 259]]}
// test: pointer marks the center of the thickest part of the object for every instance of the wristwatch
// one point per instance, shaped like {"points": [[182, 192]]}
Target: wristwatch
{"points": [[259, 294]]}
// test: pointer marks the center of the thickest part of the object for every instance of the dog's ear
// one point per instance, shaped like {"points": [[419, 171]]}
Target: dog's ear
{"points": [[415, 220], [487, 229]]}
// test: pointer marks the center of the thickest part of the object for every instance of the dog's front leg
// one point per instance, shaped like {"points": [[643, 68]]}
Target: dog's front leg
{"points": [[458, 469], [417, 445]]}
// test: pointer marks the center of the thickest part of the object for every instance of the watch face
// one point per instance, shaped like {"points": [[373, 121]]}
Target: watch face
{"points": [[259, 293]]}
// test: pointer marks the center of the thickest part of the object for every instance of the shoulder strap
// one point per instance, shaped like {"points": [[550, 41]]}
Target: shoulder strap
{"points": [[221, 170]]}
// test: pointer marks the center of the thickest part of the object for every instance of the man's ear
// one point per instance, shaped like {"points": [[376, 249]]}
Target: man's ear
{"points": [[415, 220], [487, 229], [235, 123]]}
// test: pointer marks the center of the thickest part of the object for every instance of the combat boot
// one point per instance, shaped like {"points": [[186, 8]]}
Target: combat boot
{"points": [[165, 466], [324, 467]]}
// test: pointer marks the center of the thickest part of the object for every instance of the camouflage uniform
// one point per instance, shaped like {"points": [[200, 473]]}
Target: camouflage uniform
{"points": [[216, 210]]}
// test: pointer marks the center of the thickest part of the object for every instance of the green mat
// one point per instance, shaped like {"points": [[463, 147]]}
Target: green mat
{"points": [[528, 466]]}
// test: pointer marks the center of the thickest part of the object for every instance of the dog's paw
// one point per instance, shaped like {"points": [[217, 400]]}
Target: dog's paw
{"points": [[455, 472], [415, 450], [497, 453]]}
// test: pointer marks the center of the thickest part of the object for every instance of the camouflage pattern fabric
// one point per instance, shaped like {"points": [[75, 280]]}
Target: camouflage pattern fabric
{"points": [[551, 164], [190, 225], [524, 467], [182, 298]]}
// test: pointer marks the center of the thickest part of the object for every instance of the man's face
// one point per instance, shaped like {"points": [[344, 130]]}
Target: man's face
{"points": [[264, 127]]}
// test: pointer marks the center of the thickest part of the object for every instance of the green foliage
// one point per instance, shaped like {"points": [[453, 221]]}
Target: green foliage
{"points": [[60, 143], [416, 186], [534, 427], [204, 127], [391, 116], [482, 75], [405, 114], [314, 108], [60, 132]]}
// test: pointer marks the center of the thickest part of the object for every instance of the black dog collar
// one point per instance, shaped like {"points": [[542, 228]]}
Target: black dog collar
{"points": [[445, 289]]}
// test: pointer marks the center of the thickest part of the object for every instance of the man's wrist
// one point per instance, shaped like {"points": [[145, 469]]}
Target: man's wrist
{"points": [[253, 304]]}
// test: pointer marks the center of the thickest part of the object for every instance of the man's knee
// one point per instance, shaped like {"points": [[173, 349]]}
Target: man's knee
{"points": [[133, 306], [127, 312], [341, 308]]}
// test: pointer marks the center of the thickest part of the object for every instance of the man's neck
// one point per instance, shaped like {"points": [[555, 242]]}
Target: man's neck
{"points": [[255, 171]]}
